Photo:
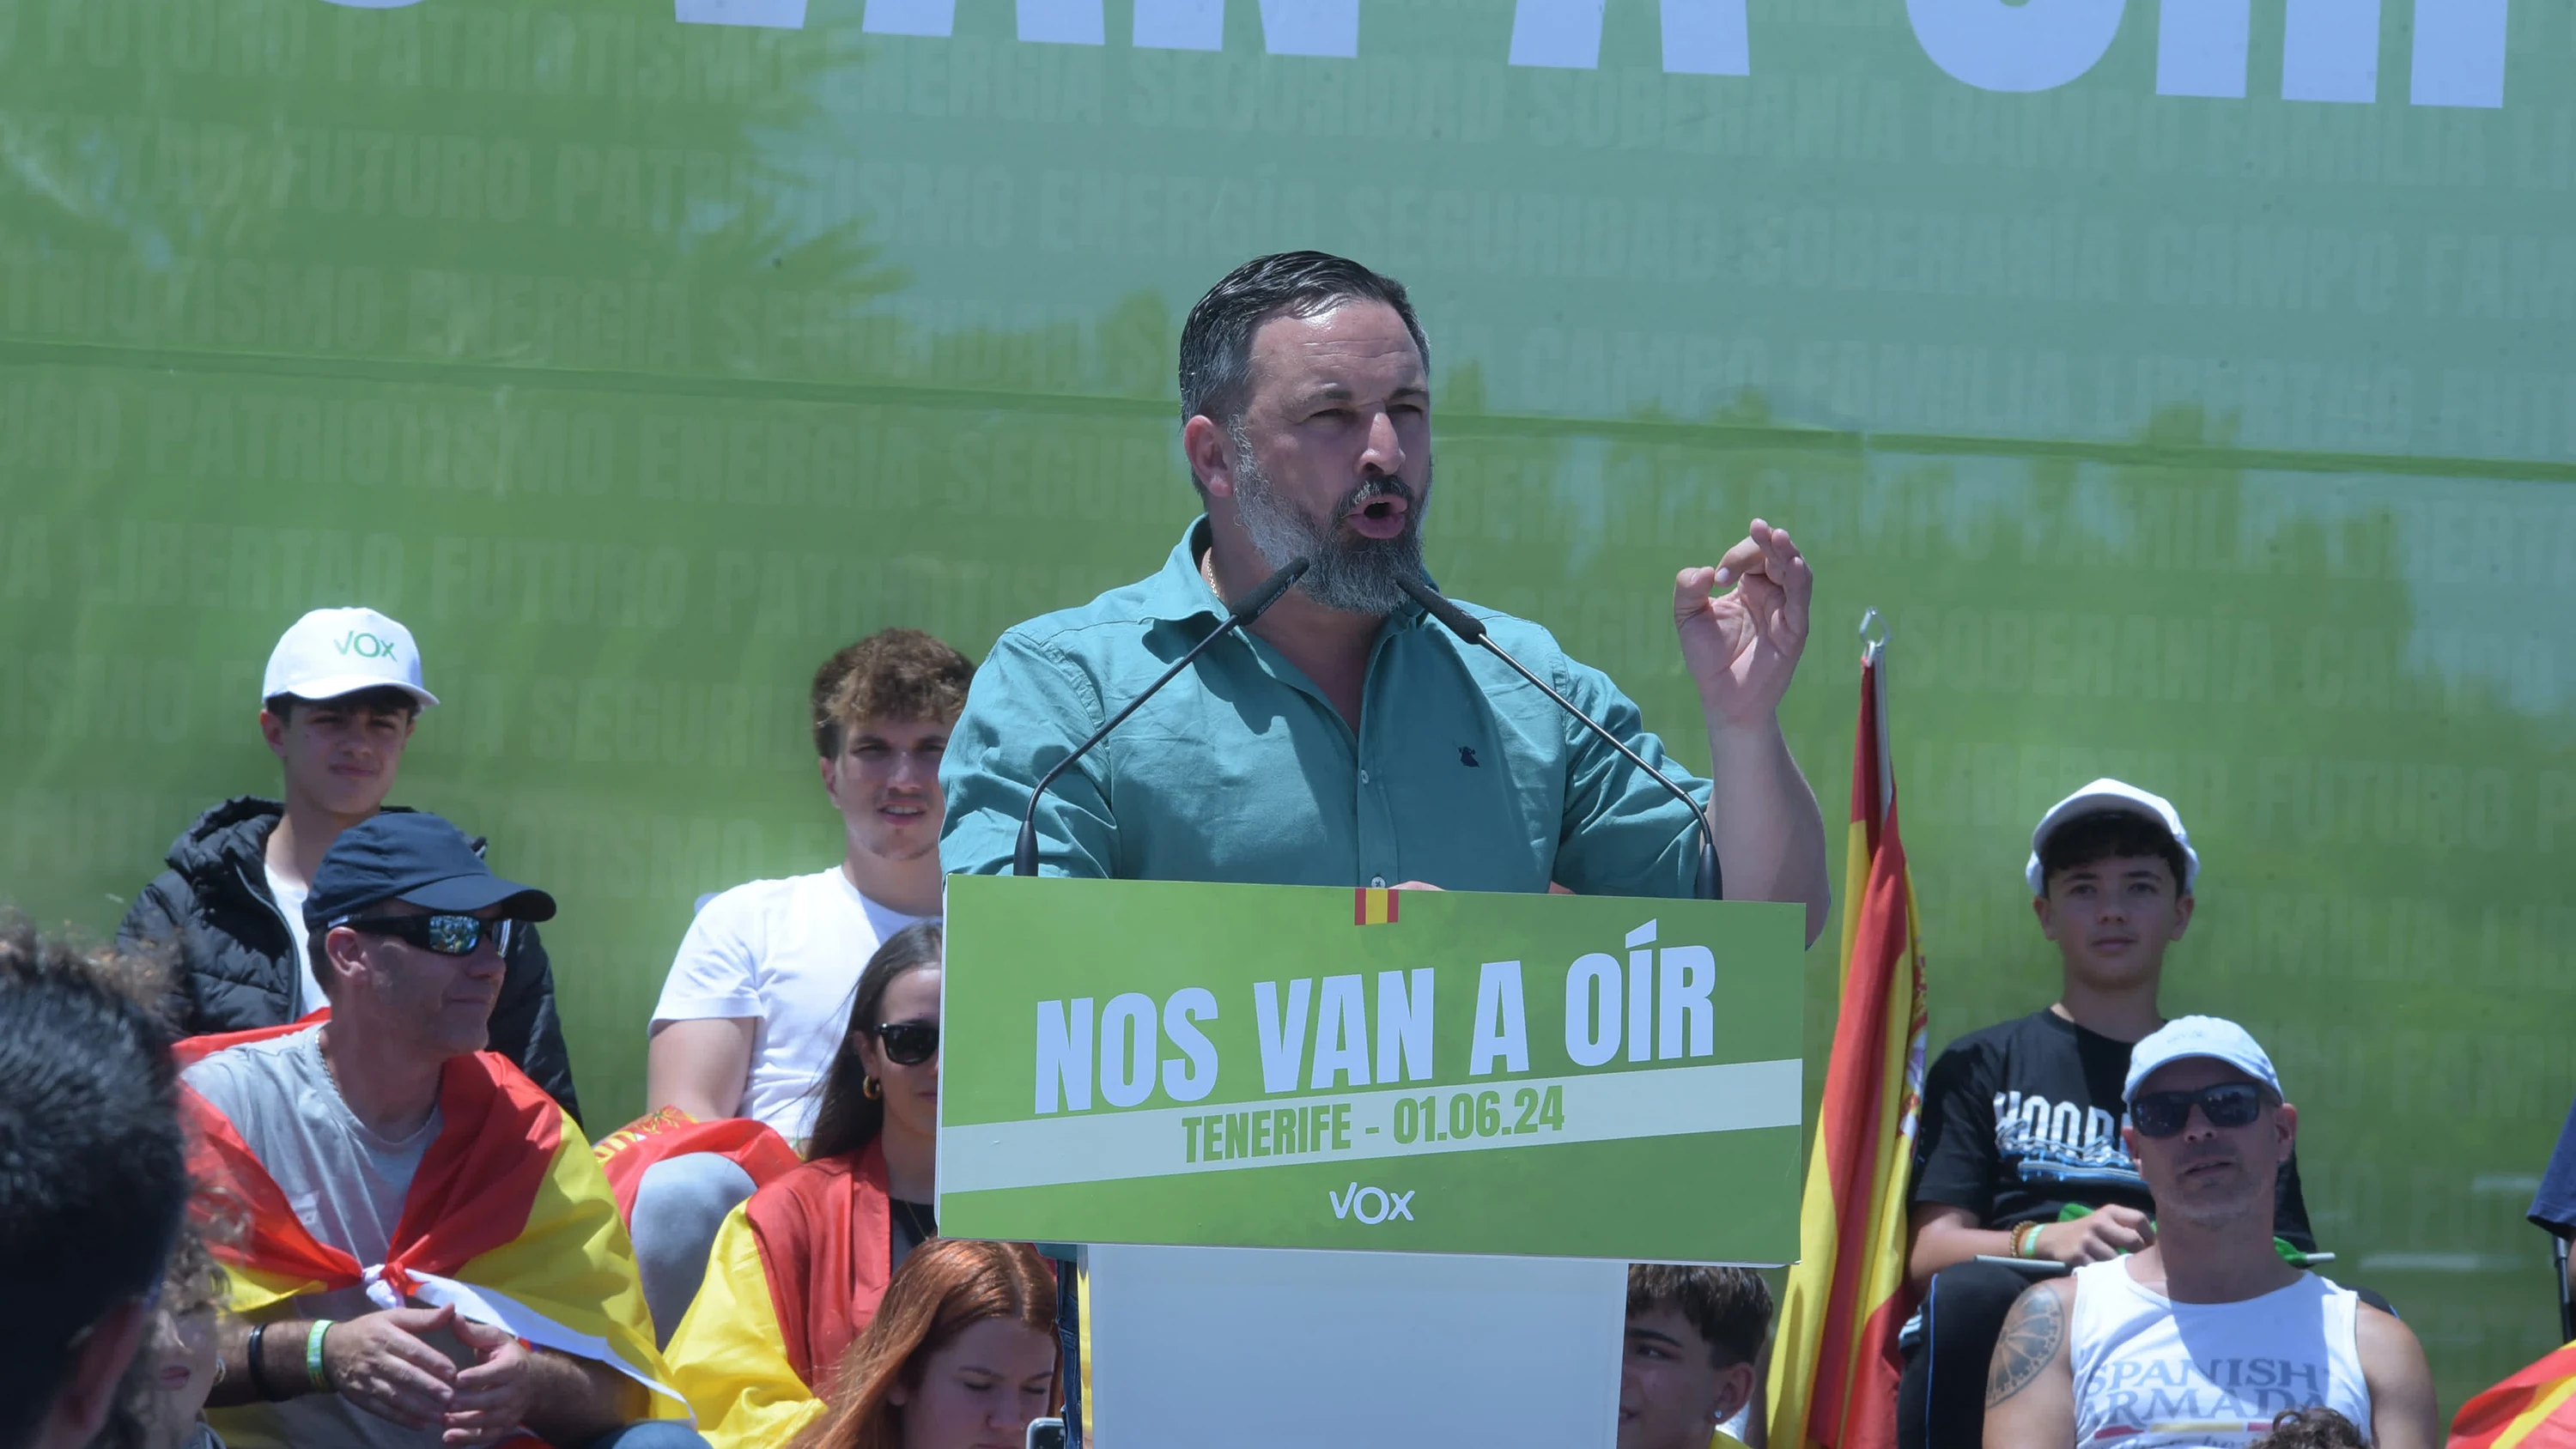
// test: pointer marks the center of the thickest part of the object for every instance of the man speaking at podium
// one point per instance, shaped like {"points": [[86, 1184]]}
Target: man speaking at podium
{"points": [[1347, 739]]}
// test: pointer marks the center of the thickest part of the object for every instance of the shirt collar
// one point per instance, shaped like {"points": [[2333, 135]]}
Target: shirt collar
{"points": [[1180, 591]]}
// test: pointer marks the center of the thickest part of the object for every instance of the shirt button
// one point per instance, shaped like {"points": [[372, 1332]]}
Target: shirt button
{"points": [[1363, 777], [1377, 882]]}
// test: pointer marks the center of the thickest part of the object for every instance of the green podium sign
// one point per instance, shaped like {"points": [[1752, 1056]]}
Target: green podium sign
{"points": [[1301, 1067]]}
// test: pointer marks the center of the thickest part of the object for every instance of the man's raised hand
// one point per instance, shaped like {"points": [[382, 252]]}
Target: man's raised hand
{"points": [[493, 1396], [381, 1364], [1741, 646]]}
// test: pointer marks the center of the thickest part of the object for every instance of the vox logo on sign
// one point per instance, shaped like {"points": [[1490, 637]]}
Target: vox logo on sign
{"points": [[1371, 1205], [364, 645]]}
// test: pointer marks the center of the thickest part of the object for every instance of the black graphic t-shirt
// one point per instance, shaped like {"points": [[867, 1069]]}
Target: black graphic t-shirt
{"points": [[2022, 1118]]}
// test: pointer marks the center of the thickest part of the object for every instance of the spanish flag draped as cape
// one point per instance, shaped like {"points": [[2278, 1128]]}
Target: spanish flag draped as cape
{"points": [[2534, 1409], [796, 1274], [508, 1218], [1834, 1362]]}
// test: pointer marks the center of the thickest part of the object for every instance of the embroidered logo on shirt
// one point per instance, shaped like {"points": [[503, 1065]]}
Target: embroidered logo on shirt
{"points": [[1467, 756]]}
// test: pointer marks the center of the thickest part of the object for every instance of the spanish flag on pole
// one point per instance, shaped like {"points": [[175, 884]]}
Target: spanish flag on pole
{"points": [[2534, 1409], [1834, 1363]]}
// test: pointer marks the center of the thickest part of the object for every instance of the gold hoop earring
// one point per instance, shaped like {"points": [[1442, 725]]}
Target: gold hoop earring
{"points": [[869, 1089]]}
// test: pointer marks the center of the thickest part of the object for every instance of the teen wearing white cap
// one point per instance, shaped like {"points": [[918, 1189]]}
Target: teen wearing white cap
{"points": [[2019, 1152], [338, 701], [2197, 1340]]}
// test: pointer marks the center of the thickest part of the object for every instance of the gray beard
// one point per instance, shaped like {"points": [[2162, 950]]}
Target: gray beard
{"points": [[1353, 575]]}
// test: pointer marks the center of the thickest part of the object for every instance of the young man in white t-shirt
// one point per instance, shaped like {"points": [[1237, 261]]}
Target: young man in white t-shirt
{"points": [[760, 992], [759, 996]]}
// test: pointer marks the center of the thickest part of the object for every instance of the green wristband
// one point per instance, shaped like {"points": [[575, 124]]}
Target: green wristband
{"points": [[313, 1355]]}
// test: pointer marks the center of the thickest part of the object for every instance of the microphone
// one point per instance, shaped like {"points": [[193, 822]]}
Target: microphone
{"points": [[1024, 860], [1471, 630]]}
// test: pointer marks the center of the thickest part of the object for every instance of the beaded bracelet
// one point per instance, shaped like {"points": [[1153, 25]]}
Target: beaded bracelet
{"points": [[2025, 1240]]}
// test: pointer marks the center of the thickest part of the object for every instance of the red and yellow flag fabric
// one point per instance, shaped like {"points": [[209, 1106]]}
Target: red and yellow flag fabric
{"points": [[751, 1145], [2534, 1409], [508, 1218], [795, 1275], [1834, 1362]]}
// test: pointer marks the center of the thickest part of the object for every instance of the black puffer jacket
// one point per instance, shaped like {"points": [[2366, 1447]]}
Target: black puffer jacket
{"points": [[236, 960]]}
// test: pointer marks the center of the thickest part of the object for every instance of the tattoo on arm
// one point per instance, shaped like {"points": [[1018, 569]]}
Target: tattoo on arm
{"points": [[2030, 1340]]}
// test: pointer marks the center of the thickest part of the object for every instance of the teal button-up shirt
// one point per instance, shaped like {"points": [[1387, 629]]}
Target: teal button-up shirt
{"points": [[1461, 774]]}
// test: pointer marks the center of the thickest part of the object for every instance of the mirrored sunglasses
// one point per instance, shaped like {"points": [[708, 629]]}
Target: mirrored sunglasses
{"points": [[448, 935]]}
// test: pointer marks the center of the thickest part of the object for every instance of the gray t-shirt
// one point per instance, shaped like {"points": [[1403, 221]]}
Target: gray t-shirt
{"points": [[346, 1185]]}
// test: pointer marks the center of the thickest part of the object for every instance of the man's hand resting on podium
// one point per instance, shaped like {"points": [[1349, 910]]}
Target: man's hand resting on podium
{"points": [[1741, 648]]}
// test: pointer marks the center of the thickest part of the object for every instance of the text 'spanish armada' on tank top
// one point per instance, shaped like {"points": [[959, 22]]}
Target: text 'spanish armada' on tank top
{"points": [[2151, 1373]]}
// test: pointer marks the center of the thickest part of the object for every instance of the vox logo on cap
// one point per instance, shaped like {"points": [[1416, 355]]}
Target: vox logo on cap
{"points": [[365, 646]]}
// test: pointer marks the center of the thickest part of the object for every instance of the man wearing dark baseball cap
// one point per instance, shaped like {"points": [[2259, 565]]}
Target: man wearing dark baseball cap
{"points": [[339, 701], [433, 1255]]}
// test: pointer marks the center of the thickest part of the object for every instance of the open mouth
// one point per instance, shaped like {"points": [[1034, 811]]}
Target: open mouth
{"points": [[1381, 517], [902, 810], [2204, 1171]]}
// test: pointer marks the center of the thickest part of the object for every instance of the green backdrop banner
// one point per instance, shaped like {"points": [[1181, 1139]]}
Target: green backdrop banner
{"points": [[1429, 1072], [2192, 386]]}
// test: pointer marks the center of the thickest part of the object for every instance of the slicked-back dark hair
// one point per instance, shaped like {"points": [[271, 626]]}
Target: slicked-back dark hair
{"points": [[1731, 1307], [2101, 835], [1216, 341], [92, 1178]]}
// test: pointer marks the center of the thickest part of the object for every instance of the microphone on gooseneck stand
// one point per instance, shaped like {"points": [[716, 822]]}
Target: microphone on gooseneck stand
{"points": [[1024, 860], [1471, 629]]}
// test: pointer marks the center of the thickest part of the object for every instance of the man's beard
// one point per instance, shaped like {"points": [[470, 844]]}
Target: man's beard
{"points": [[1354, 574]]}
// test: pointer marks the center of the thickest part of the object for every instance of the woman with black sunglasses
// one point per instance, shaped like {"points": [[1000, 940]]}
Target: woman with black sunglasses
{"points": [[797, 1271]]}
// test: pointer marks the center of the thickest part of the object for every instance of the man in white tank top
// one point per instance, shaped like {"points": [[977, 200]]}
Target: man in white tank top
{"points": [[2198, 1340]]}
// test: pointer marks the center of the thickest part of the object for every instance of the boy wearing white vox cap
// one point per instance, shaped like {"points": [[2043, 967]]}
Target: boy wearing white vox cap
{"points": [[2019, 1152], [2197, 1340], [338, 701]]}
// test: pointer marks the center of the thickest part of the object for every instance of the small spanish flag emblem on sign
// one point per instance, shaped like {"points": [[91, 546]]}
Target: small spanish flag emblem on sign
{"points": [[1373, 907]]}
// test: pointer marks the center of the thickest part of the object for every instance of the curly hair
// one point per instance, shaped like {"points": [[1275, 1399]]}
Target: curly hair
{"points": [[891, 674], [192, 1287], [2311, 1428]]}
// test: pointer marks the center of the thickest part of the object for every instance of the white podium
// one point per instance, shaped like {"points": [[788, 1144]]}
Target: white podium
{"points": [[1254, 1348]]}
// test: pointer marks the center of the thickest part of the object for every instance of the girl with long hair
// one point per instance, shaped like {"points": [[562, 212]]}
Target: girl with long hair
{"points": [[961, 1355], [797, 1270]]}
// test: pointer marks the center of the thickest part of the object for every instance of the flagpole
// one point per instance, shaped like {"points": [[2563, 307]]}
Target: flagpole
{"points": [[1873, 657]]}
